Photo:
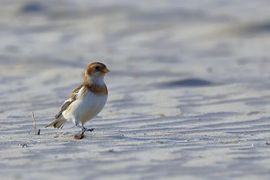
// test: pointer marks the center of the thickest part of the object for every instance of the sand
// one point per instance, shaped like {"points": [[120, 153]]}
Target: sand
{"points": [[189, 90]]}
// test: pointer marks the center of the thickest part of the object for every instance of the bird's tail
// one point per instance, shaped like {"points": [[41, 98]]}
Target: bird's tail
{"points": [[57, 123]]}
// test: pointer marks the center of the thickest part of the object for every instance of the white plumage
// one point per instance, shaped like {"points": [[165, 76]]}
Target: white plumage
{"points": [[85, 107]]}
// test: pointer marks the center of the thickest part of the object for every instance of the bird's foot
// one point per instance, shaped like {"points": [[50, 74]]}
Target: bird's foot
{"points": [[90, 129], [86, 129], [81, 134]]}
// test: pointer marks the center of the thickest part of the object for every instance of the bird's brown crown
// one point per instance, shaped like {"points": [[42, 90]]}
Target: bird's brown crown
{"points": [[96, 67]]}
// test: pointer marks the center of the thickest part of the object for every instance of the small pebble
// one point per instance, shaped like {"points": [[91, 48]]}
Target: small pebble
{"points": [[111, 150], [24, 145]]}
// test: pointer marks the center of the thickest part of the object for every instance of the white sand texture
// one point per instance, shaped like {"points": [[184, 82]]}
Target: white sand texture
{"points": [[189, 89]]}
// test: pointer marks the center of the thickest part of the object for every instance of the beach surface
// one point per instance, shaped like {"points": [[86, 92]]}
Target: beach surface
{"points": [[189, 89]]}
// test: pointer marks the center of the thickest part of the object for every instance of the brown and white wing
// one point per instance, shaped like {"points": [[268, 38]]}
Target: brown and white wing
{"points": [[71, 99]]}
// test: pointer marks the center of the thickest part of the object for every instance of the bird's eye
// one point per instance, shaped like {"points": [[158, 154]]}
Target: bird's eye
{"points": [[97, 68]]}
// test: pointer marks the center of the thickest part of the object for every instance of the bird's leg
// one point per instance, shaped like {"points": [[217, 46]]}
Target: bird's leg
{"points": [[84, 128], [79, 126], [81, 134]]}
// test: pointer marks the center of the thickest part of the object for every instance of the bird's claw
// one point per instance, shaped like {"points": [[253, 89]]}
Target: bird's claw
{"points": [[90, 129]]}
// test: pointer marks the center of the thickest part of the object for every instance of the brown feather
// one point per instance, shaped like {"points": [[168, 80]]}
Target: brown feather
{"points": [[71, 99], [96, 89], [57, 123]]}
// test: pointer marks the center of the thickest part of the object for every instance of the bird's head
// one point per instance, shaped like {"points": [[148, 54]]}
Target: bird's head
{"points": [[95, 72]]}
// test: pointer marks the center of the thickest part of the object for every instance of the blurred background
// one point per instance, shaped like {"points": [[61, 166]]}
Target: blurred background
{"points": [[183, 74], [143, 43], [136, 36]]}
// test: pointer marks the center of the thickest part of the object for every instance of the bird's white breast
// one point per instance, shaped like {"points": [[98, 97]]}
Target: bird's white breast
{"points": [[86, 107]]}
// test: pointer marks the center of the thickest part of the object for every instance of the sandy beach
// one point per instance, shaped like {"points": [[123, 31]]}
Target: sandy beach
{"points": [[189, 89]]}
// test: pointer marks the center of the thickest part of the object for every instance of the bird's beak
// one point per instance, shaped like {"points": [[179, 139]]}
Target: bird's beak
{"points": [[106, 70]]}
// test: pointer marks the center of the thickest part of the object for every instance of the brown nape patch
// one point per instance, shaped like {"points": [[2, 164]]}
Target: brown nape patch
{"points": [[96, 89]]}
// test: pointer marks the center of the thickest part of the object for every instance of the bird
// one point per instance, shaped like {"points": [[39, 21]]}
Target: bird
{"points": [[85, 101]]}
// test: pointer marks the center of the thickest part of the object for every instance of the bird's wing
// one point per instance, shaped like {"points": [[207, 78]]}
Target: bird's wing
{"points": [[71, 99]]}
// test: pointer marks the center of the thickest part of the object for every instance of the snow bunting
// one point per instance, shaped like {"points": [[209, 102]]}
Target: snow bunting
{"points": [[86, 101]]}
